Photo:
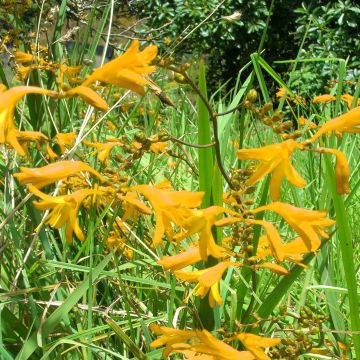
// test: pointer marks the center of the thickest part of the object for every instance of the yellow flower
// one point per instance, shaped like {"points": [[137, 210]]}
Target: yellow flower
{"points": [[349, 100], [64, 210], [348, 122], [210, 345], [103, 149], [181, 260], [274, 159], [24, 137], [273, 238], [133, 206], [64, 139], [202, 221], [208, 280], [323, 99], [158, 147], [195, 343], [292, 251], [8, 100], [280, 93], [89, 96], [308, 224], [342, 170], [127, 71], [51, 173], [24, 58], [254, 343], [304, 122], [171, 338], [169, 207]]}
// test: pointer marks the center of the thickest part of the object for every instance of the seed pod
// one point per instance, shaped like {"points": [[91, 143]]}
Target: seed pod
{"points": [[252, 96], [267, 107]]}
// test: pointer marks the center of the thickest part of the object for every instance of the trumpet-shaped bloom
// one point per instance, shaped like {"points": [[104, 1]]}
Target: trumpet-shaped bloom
{"points": [[254, 343], [129, 70], [348, 122], [8, 100], [342, 170], [64, 139], [202, 221], [292, 251], [51, 173], [89, 96], [171, 338], [103, 149], [64, 210], [323, 98], [181, 260], [273, 238], [208, 280], [308, 224], [25, 137], [195, 343], [169, 207], [274, 159], [133, 206]]}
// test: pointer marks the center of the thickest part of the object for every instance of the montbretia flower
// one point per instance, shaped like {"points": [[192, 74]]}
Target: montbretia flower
{"points": [[308, 224], [194, 343], [171, 338], [254, 344], [292, 251], [88, 95], [202, 221], [8, 100], [46, 175], [348, 122], [63, 210], [128, 71], [170, 207], [323, 99], [274, 159], [181, 260], [64, 139], [342, 170], [132, 207], [208, 280], [25, 137], [103, 149]]}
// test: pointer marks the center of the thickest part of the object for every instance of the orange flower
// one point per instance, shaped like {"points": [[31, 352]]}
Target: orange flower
{"points": [[89, 96], [292, 251], [127, 71], [323, 99], [342, 171], [254, 343], [64, 210], [158, 147], [349, 100], [133, 206], [103, 149], [24, 58], [169, 207], [208, 280], [202, 221], [195, 343], [51, 173], [210, 345], [274, 159], [348, 122], [304, 122], [181, 260], [308, 224], [273, 238], [64, 139], [171, 338], [8, 100], [280, 93]]}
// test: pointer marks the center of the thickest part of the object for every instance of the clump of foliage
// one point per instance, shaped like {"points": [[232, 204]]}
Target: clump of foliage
{"points": [[142, 218]]}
